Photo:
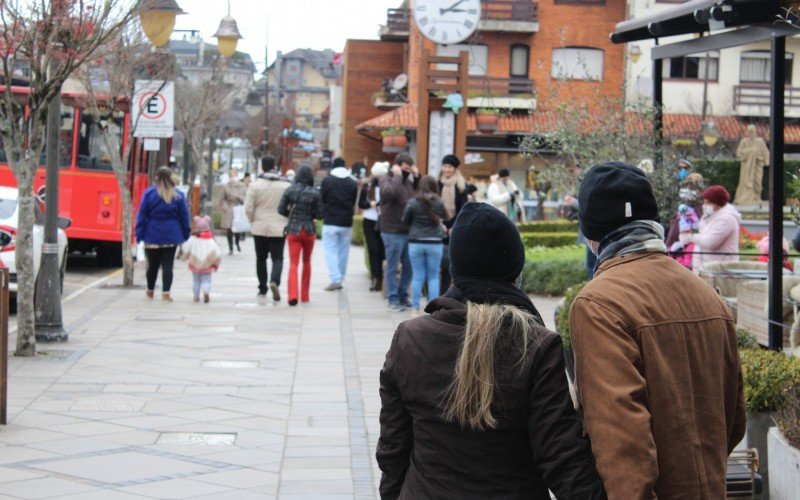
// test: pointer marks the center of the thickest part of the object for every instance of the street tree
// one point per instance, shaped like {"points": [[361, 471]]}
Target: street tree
{"points": [[199, 104], [109, 83], [42, 42]]}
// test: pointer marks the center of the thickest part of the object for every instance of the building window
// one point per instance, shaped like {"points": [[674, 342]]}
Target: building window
{"points": [[692, 67], [587, 2], [577, 63], [478, 57], [757, 66], [519, 61]]}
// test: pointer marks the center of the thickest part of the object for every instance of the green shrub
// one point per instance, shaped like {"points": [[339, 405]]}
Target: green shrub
{"points": [[789, 417], [767, 374], [726, 173], [549, 239], [562, 320], [552, 277], [572, 252], [746, 339], [551, 226]]}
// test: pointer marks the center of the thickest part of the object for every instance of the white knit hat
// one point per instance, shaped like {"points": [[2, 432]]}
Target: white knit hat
{"points": [[379, 169]]}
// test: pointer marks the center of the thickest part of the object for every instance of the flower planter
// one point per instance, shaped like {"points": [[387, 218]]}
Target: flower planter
{"points": [[758, 426], [487, 122], [784, 470], [395, 143]]}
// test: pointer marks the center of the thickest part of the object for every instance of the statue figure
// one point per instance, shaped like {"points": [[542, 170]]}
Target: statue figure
{"points": [[753, 155]]}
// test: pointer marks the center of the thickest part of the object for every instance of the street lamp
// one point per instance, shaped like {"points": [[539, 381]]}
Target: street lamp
{"points": [[253, 105], [158, 19], [710, 134], [227, 34], [635, 53]]}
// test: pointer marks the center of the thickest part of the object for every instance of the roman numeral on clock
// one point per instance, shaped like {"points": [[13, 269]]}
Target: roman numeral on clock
{"points": [[468, 24], [423, 21], [432, 31]]}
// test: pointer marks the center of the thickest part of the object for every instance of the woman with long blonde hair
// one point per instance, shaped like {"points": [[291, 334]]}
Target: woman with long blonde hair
{"points": [[162, 224], [474, 396]]}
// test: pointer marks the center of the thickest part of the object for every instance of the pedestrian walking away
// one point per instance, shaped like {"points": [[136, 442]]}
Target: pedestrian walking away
{"points": [[301, 204], [657, 369], [396, 188], [369, 201], [203, 256], [162, 223], [425, 215], [453, 189], [233, 195], [476, 391], [267, 225], [339, 193]]}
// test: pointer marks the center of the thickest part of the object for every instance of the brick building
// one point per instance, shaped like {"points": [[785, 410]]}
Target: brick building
{"points": [[525, 56]]}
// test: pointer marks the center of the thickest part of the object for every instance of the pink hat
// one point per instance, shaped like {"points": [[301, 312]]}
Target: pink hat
{"points": [[202, 224]]}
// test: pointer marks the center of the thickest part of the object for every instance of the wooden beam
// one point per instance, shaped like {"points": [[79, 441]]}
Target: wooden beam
{"points": [[423, 114], [461, 118]]}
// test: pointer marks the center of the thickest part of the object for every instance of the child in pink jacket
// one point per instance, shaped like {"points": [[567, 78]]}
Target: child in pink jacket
{"points": [[203, 255]]}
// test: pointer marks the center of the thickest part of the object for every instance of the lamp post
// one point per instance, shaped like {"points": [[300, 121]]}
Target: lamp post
{"points": [[49, 323], [158, 19]]}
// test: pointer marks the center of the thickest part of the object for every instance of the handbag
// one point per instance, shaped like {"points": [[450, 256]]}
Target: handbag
{"points": [[240, 223], [289, 219]]}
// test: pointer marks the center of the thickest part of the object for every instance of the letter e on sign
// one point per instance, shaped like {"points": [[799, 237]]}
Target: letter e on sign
{"points": [[153, 109]]}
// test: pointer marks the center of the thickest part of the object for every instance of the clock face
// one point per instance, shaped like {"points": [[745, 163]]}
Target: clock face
{"points": [[447, 21]]}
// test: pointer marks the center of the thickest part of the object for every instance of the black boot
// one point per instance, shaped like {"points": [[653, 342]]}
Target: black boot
{"points": [[374, 285]]}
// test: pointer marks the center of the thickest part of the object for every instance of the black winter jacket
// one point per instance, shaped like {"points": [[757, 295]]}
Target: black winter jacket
{"points": [[339, 199], [422, 229], [538, 443]]}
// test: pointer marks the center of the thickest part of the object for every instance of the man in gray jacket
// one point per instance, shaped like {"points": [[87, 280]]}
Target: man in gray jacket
{"points": [[267, 225]]}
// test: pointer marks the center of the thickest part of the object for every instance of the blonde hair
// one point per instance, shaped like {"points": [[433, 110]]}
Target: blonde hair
{"points": [[490, 328], [165, 185]]}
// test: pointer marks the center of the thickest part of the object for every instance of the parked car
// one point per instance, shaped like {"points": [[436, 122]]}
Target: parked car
{"points": [[9, 215]]}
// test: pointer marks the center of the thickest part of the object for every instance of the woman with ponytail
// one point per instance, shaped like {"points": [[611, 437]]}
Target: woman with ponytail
{"points": [[475, 401]]}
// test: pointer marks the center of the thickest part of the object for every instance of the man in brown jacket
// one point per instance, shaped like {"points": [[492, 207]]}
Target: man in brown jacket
{"points": [[657, 364]]}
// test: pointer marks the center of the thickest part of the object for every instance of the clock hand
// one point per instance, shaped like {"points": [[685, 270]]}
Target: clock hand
{"points": [[450, 9]]}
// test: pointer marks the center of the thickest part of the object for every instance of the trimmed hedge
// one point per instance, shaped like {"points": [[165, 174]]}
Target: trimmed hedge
{"points": [[558, 226], [552, 271], [766, 375], [549, 240]]}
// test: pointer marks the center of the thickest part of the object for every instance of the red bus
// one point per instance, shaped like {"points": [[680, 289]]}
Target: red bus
{"points": [[88, 190]]}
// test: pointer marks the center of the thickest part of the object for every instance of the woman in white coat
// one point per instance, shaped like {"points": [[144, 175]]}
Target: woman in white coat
{"points": [[503, 194]]}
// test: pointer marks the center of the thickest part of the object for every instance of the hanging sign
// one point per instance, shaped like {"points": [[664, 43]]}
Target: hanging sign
{"points": [[153, 109]]}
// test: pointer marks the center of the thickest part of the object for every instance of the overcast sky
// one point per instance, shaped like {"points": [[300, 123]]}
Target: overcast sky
{"points": [[314, 24]]}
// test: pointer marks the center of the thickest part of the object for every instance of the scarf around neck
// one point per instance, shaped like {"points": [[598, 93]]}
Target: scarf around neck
{"points": [[449, 188], [638, 236], [484, 291]]}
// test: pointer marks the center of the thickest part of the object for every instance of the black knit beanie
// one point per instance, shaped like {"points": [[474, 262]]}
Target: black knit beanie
{"points": [[451, 160], [485, 244], [612, 195]]}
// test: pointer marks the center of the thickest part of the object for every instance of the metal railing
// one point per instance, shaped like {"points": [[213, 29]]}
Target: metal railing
{"points": [[757, 94], [398, 20], [511, 10], [4, 300], [500, 87]]}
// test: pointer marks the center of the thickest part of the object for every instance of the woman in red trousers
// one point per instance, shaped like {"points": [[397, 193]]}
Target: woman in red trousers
{"points": [[301, 203]]}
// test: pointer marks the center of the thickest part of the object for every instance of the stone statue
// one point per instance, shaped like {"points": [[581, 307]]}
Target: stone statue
{"points": [[753, 155]]}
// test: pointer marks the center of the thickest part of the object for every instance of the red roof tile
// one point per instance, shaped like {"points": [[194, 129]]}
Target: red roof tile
{"points": [[731, 128]]}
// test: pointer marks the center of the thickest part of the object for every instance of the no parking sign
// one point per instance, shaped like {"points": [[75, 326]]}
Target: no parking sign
{"points": [[153, 108]]}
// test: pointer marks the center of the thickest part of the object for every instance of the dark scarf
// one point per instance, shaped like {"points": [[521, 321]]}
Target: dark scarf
{"points": [[483, 291], [638, 236]]}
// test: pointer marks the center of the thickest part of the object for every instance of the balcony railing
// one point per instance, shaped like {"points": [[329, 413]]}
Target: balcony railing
{"points": [[398, 20], [757, 94], [484, 86], [510, 10]]}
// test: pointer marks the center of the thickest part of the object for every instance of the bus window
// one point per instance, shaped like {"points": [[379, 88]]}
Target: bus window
{"points": [[65, 136], [92, 151]]}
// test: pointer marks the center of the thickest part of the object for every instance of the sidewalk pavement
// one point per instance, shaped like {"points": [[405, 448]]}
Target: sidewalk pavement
{"points": [[233, 399]]}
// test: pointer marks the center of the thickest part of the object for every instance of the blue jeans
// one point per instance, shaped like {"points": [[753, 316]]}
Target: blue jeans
{"points": [[336, 244], [396, 254], [426, 259], [201, 282]]}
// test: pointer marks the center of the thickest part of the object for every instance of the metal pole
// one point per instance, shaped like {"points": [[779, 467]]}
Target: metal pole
{"points": [[776, 193], [4, 296], [265, 133], [658, 106], [49, 324], [212, 143]]}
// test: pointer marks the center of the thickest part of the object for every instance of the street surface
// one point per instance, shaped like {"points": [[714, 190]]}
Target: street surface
{"points": [[234, 399]]}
